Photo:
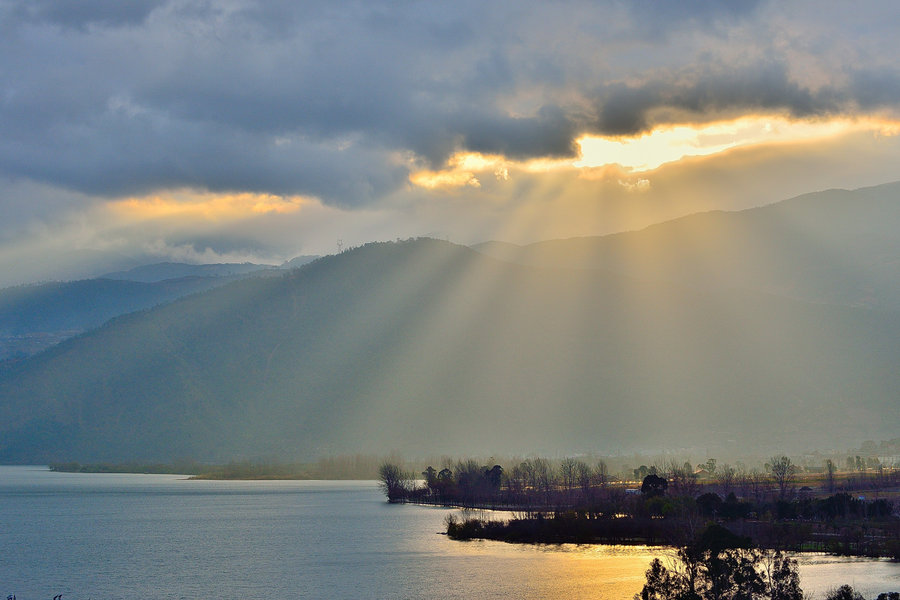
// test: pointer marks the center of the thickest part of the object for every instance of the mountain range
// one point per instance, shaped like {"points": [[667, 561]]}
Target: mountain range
{"points": [[775, 327], [37, 316], [837, 246]]}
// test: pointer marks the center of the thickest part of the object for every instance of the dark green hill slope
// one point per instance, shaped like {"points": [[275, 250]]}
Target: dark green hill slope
{"points": [[81, 305], [427, 347], [837, 246], [35, 317]]}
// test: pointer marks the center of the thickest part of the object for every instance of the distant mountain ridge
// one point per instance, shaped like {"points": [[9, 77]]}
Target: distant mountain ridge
{"points": [[37, 316], [837, 246], [168, 270], [152, 273]]}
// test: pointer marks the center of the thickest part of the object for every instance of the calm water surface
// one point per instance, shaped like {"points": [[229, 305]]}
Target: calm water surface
{"points": [[161, 536]]}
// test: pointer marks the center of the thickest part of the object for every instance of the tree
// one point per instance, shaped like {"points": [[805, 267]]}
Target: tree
{"points": [[395, 482], [444, 483], [430, 477], [783, 471], [709, 504], [517, 479], [719, 565], [731, 574], [845, 592], [601, 473], [544, 476], [726, 478], [494, 477], [568, 473], [469, 475], [654, 485], [526, 470], [584, 476], [683, 480], [829, 474], [661, 584], [783, 578], [643, 471]]}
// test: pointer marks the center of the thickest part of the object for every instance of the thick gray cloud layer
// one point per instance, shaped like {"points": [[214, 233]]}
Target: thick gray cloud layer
{"points": [[337, 99]]}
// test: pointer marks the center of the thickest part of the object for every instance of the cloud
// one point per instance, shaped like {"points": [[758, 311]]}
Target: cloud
{"points": [[638, 185], [711, 91], [82, 14], [343, 102], [659, 19], [529, 204]]}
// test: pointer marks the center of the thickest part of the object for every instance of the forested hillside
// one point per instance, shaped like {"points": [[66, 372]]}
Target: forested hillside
{"points": [[427, 347]]}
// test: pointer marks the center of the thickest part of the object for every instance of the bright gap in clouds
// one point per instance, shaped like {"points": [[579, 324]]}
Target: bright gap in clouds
{"points": [[670, 144], [651, 150]]}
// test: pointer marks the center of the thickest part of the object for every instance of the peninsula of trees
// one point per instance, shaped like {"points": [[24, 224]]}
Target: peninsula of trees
{"points": [[837, 511]]}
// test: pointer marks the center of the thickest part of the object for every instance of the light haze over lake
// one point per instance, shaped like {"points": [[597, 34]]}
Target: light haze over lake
{"points": [[112, 536]]}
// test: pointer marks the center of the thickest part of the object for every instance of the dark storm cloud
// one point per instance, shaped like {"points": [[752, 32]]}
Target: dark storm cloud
{"points": [[714, 90], [550, 133], [338, 99], [877, 88], [132, 154]]}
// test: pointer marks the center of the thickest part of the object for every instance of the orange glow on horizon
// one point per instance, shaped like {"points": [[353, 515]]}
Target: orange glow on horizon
{"points": [[206, 205]]}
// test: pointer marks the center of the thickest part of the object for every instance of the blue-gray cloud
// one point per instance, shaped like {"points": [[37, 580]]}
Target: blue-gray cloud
{"points": [[335, 99], [715, 89], [84, 13]]}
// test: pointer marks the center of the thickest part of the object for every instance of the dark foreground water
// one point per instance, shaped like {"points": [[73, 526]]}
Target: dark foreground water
{"points": [[161, 536]]}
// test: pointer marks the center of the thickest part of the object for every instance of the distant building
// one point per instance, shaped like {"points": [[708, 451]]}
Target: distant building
{"points": [[701, 474]]}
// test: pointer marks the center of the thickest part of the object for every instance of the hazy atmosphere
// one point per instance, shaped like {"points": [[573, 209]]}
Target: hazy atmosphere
{"points": [[235, 131], [615, 224], [383, 299]]}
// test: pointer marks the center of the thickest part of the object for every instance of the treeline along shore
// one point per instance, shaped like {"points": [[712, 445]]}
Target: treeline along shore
{"points": [[778, 508]]}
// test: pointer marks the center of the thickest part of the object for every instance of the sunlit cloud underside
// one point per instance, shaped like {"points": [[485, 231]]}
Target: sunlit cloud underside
{"points": [[649, 151], [206, 205]]}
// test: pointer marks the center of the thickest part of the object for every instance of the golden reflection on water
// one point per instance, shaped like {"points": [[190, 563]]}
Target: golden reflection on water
{"points": [[490, 569], [565, 570], [603, 572], [617, 572]]}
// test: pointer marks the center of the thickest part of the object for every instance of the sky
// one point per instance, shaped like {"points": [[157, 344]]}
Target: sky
{"points": [[231, 131]]}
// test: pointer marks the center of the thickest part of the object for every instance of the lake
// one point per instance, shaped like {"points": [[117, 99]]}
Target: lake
{"points": [[111, 536]]}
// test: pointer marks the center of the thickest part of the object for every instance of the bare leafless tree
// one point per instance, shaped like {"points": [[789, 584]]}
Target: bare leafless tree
{"points": [[726, 478], [584, 477], [567, 474], [829, 475], [601, 473], [783, 471]]}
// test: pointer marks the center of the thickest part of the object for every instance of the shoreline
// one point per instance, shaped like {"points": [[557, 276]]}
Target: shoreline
{"points": [[563, 528], [228, 472]]}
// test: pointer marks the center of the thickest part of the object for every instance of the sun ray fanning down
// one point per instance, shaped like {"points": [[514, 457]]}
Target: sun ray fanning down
{"points": [[649, 151]]}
